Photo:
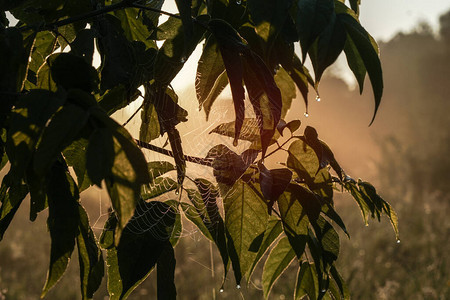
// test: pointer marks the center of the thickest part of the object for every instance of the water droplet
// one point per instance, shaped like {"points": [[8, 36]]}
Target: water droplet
{"points": [[221, 291], [238, 2], [177, 192], [367, 225], [398, 241], [306, 114], [324, 290], [318, 98], [238, 286], [183, 59]]}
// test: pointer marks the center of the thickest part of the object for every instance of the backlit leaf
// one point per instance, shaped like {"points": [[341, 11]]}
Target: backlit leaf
{"points": [[245, 219], [307, 282], [279, 259]]}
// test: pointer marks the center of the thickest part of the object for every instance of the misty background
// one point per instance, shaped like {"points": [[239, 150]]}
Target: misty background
{"points": [[405, 154]]}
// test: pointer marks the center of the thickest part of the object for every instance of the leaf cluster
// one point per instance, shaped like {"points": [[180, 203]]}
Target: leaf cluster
{"points": [[55, 116]]}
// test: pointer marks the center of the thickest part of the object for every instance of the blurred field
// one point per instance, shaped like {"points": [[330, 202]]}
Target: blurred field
{"points": [[405, 154]]}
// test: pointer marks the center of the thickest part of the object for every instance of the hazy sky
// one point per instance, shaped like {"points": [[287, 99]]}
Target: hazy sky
{"points": [[383, 18]]}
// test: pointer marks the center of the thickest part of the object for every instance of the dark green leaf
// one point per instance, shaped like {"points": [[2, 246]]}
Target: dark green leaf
{"points": [[218, 87], [273, 183], [75, 155], [60, 132], [356, 193], [27, 121], [142, 242], [11, 197], [89, 256], [368, 50], [100, 155], [329, 46], [313, 16], [62, 222], [72, 72], [355, 62], [228, 166], [279, 259], [340, 283], [83, 45], [230, 45], [165, 275]]}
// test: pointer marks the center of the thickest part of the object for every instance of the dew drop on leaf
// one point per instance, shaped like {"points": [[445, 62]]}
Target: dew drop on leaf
{"points": [[318, 98], [238, 286], [221, 291], [183, 59], [238, 2], [398, 241], [306, 114], [324, 290]]}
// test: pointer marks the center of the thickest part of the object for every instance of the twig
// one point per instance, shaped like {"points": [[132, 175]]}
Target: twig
{"points": [[192, 159]]}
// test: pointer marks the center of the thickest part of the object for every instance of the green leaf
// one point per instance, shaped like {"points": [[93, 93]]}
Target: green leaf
{"points": [[307, 282], [89, 256], [165, 275], [249, 130], [28, 119], [62, 222], [279, 259], [368, 50], [150, 128], [245, 219], [141, 245], [210, 211], [100, 155], [343, 288], [75, 156], [273, 230], [158, 168], [380, 205], [159, 186], [60, 132], [287, 88], [218, 87], [128, 173], [295, 221], [177, 227], [209, 70], [303, 159], [133, 26], [356, 193], [313, 17], [11, 197]]}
